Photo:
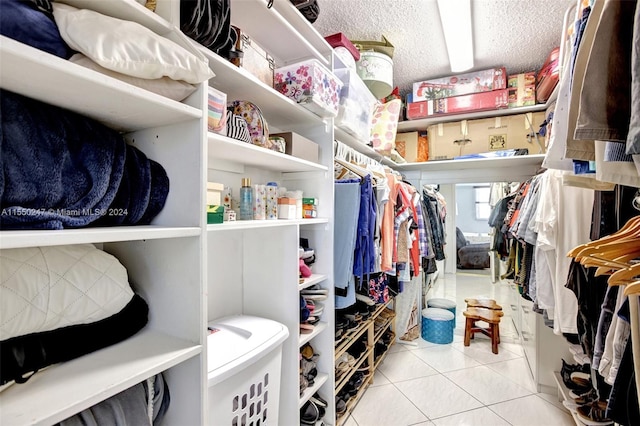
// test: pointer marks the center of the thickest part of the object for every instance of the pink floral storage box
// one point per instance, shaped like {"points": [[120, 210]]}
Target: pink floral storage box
{"points": [[310, 84]]}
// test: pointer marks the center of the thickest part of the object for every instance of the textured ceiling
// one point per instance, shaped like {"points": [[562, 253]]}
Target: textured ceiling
{"points": [[517, 34]]}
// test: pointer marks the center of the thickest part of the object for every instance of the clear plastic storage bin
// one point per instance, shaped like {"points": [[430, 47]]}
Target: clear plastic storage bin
{"points": [[244, 363], [310, 84], [356, 105]]}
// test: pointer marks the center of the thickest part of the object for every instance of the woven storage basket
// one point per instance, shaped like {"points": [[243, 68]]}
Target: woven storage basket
{"points": [[437, 325]]}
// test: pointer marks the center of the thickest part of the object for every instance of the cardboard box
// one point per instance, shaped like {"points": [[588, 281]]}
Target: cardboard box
{"points": [[485, 101], [413, 146], [460, 84], [299, 146], [287, 208], [522, 89], [522, 79], [214, 193], [450, 140]]}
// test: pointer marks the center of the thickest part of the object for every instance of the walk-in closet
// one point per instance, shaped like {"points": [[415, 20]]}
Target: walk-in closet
{"points": [[319, 212]]}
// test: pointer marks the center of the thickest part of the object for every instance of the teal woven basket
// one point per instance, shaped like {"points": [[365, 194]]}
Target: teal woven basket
{"points": [[437, 325]]}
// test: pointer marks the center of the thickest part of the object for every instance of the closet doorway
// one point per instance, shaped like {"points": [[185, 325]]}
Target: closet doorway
{"points": [[471, 269]]}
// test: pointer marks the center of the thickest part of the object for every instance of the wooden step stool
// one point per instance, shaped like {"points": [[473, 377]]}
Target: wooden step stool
{"points": [[483, 303], [490, 316]]}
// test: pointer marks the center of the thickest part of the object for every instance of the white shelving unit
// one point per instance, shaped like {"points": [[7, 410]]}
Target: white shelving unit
{"points": [[165, 261], [253, 265]]}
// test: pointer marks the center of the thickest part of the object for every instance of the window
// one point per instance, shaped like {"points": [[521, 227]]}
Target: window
{"points": [[483, 208]]}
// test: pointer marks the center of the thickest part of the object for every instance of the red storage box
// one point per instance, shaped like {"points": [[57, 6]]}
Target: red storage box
{"points": [[460, 84], [548, 76], [484, 101], [339, 39]]}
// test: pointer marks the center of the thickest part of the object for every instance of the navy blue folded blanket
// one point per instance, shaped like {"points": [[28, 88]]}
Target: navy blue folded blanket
{"points": [[23, 21], [63, 170]]}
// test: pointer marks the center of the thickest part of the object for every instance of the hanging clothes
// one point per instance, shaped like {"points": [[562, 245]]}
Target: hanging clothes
{"points": [[387, 231], [347, 203], [365, 254]]}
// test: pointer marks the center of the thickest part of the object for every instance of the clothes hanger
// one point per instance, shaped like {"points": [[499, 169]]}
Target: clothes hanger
{"points": [[348, 158], [608, 257], [632, 288], [616, 264], [631, 229], [624, 276]]}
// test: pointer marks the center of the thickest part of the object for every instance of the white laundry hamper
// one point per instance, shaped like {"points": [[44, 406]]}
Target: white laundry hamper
{"points": [[244, 364]]}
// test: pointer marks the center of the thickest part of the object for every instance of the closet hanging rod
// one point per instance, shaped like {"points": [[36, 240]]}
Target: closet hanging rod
{"points": [[344, 152]]}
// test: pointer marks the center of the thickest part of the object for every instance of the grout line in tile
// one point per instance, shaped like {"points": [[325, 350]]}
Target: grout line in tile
{"points": [[411, 402], [499, 414]]}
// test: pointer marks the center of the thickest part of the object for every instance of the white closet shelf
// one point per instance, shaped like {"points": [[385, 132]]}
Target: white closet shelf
{"points": [[474, 163], [423, 123], [320, 379], [319, 328], [279, 111], [127, 10], [242, 225], [33, 238], [121, 106], [67, 388], [313, 279], [516, 168], [282, 31], [227, 149]]}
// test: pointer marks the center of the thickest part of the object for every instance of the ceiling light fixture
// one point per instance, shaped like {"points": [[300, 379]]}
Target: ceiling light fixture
{"points": [[455, 16]]}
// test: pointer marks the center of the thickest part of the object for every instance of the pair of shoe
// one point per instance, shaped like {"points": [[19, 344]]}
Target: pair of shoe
{"points": [[344, 364], [593, 413], [353, 385], [589, 408], [576, 377], [313, 411], [315, 293], [344, 326]]}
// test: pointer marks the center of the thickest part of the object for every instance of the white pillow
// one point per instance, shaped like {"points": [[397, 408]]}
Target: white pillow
{"points": [[45, 288], [127, 47], [172, 89]]}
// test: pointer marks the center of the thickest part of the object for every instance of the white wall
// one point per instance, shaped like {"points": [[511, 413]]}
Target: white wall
{"points": [[466, 211]]}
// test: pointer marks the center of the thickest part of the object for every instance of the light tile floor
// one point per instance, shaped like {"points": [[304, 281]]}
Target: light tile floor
{"points": [[445, 385]]}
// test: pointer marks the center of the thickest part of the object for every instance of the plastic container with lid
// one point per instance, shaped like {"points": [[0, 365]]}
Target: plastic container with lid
{"points": [[244, 356], [357, 104], [310, 84]]}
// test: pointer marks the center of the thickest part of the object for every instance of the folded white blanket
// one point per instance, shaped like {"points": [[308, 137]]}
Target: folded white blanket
{"points": [[45, 288]]}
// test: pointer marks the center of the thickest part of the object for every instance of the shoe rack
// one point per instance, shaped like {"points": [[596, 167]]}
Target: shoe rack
{"points": [[563, 395], [357, 375]]}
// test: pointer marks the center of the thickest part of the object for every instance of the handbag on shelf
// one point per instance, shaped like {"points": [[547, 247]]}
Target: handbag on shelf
{"points": [[256, 124], [374, 285], [237, 127], [209, 23], [309, 9]]}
